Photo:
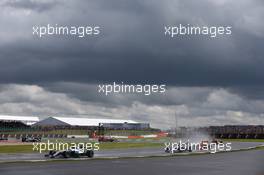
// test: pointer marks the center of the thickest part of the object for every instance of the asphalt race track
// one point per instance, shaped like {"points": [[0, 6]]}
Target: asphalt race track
{"points": [[235, 163], [114, 153]]}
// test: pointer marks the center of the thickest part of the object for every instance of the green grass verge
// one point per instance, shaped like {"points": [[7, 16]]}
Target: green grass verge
{"points": [[16, 148], [103, 146], [124, 145]]}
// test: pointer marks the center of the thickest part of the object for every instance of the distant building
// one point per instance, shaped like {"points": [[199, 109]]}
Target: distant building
{"points": [[131, 126], [7, 121], [88, 122]]}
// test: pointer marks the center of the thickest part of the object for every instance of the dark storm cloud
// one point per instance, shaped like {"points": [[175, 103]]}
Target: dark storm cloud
{"points": [[86, 92], [250, 92], [132, 47], [38, 6], [209, 80], [193, 106], [203, 101]]}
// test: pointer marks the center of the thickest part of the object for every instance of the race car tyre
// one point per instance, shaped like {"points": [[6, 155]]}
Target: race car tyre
{"points": [[65, 154], [52, 152], [167, 150], [90, 153]]}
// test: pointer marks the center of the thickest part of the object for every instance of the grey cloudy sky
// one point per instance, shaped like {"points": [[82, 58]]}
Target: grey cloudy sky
{"points": [[210, 81]]}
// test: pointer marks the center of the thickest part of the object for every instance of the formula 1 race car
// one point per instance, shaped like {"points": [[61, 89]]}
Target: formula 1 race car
{"points": [[31, 139], [3, 138], [106, 139], [179, 149], [216, 141], [73, 152], [207, 142]]}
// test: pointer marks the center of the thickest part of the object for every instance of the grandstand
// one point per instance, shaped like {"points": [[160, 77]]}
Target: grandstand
{"points": [[26, 120], [11, 123], [91, 123], [226, 131], [15, 124]]}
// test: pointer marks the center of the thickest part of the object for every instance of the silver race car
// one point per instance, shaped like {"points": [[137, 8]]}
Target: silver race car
{"points": [[72, 152]]}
